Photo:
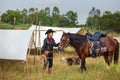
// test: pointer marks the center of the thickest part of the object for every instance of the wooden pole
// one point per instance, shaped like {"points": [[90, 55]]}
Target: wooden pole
{"points": [[14, 22], [39, 41], [31, 43], [35, 36], [34, 47]]}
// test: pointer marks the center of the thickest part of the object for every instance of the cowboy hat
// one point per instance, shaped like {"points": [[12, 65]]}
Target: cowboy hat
{"points": [[49, 31]]}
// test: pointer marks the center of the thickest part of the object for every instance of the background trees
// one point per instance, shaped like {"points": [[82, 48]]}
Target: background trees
{"points": [[55, 16], [72, 18], [45, 16], [24, 14], [10, 15], [107, 21], [94, 18]]}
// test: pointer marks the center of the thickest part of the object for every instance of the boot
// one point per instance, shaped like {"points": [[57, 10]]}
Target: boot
{"points": [[49, 70]]}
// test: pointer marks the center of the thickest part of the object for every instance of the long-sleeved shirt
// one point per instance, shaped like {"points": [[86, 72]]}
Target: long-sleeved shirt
{"points": [[48, 45]]}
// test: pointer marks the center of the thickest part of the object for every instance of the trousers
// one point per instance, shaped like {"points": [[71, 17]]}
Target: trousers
{"points": [[49, 61]]}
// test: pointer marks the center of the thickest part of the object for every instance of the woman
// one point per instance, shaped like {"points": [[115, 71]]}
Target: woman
{"points": [[47, 50]]}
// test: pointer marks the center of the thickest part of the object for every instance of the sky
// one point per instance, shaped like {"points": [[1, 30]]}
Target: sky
{"points": [[82, 7]]}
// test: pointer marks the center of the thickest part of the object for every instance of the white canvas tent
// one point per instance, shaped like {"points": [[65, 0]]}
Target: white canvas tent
{"points": [[57, 35], [118, 39], [14, 43]]}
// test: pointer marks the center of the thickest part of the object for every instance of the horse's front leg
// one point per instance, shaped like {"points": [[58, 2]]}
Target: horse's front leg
{"points": [[83, 67]]}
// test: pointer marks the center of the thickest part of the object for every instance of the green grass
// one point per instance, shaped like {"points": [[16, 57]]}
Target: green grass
{"points": [[96, 70], [18, 26], [5, 26], [23, 26]]}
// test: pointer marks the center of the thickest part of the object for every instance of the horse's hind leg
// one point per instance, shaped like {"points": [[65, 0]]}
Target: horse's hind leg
{"points": [[110, 56], [83, 67]]}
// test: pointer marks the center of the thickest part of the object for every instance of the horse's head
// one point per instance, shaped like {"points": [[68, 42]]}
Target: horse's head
{"points": [[65, 39]]}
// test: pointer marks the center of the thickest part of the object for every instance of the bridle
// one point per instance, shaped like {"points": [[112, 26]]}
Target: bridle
{"points": [[68, 41]]}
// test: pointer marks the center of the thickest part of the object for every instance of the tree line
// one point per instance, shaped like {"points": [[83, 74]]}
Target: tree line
{"points": [[106, 21], [44, 17], [47, 17]]}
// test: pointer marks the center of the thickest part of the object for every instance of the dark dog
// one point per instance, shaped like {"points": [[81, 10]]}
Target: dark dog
{"points": [[73, 61]]}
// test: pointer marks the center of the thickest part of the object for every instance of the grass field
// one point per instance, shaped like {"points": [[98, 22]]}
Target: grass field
{"points": [[17, 27], [20, 70], [96, 70]]}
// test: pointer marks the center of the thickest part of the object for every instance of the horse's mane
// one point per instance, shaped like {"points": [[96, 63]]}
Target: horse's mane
{"points": [[77, 39]]}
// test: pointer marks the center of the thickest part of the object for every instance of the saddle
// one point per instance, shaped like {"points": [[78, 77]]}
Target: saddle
{"points": [[97, 46]]}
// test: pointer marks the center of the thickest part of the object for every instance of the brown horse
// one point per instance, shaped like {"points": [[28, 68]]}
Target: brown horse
{"points": [[81, 45]]}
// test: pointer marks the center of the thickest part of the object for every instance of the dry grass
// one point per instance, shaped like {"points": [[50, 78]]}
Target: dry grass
{"points": [[96, 70]]}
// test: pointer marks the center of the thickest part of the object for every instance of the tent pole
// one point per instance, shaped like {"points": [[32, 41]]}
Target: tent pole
{"points": [[31, 43], [39, 38], [34, 47], [36, 40]]}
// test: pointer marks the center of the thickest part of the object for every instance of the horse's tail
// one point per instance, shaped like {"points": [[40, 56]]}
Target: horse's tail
{"points": [[116, 53]]}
